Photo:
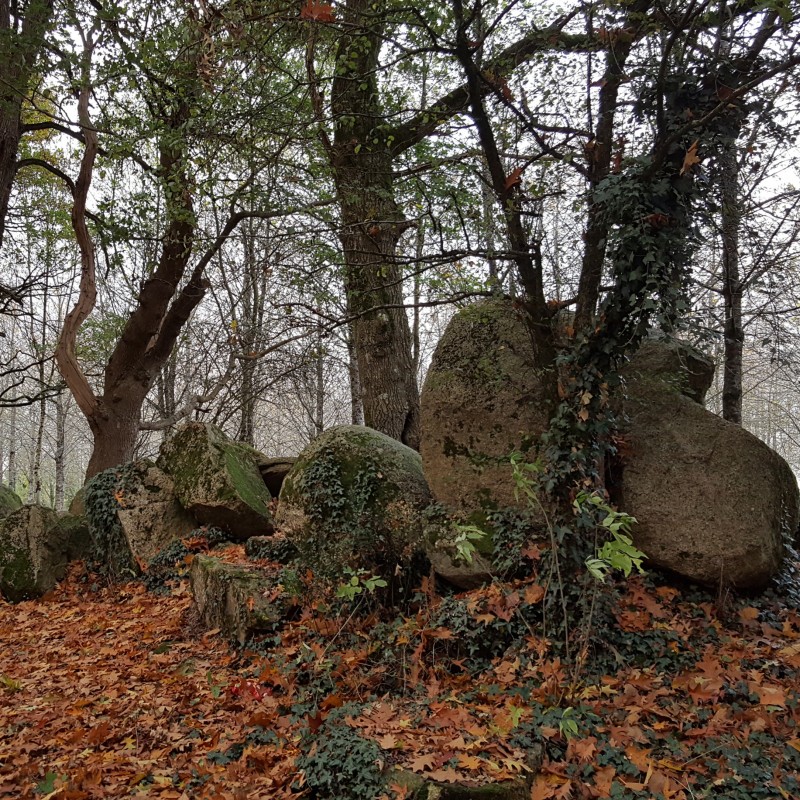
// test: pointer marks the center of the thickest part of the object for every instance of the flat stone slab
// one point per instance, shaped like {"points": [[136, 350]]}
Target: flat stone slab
{"points": [[237, 600]]}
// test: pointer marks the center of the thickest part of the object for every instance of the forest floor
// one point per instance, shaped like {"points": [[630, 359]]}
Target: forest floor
{"points": [[115, 691]]}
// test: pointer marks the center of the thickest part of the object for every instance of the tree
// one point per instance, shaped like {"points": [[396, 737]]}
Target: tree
{"points": [[174, 97], [23, 30]]}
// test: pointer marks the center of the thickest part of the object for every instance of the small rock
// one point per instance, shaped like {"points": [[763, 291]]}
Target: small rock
{"points": [[274, 471], [238, 601]]}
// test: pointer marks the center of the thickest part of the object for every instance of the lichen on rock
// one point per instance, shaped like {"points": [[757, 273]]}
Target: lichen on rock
{"points": [[32, 554], [481, 401]]}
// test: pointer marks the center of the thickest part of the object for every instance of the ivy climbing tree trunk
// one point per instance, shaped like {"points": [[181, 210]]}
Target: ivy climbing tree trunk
{"points": [[600, 155]]}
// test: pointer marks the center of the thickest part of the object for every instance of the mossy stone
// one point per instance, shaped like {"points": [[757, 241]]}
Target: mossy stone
{"points": [[9, 501], [483, 398], [74, 532], [217, 480], [32, 555], [237, 600], [354, 499]]}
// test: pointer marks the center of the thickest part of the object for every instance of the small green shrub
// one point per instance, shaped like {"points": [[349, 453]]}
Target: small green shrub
{"points": [[338, 763]]}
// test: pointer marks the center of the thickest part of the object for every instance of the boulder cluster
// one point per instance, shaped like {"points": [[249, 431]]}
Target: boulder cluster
{"points": [[713, 503]]}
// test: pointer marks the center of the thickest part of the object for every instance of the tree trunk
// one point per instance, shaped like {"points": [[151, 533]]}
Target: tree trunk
{"points": [[115, 427], [18, 56], [319, 394], [599, 154], [732, 287], [372, 224], [162, 308], [356, 406], [60, 451], [12, 448], [35, 494]]}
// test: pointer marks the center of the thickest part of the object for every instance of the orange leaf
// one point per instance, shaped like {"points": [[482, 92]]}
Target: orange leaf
{"points": [[319, 12], [514, 178], [603, 778], [423, 763], [533, 594], [691, 158], [769, 695]]}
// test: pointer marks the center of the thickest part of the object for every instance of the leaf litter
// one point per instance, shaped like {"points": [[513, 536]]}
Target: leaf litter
{"points": [[113, 691]]}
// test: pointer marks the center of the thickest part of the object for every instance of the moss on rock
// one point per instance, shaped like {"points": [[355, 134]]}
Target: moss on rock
{"points": [[354, 499], [237, 600], [9, 501], [217, 480], [32, 555]]}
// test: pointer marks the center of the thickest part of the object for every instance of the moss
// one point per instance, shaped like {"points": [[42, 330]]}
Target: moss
{"points": [[233, 598], [218, 480], [354, 499], [246, 478], [17, 575], [9, 501], [73, 532], [421, 789]]}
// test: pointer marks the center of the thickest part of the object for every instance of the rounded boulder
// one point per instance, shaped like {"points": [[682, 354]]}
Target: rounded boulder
{"points": [[354, 500]]}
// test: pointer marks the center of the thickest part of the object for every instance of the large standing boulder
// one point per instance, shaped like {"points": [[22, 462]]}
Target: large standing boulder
{"points": [[482, 399], [713, 502], [32, 554], [9, 501], [133, 514], [354, 500], [217, 480]]}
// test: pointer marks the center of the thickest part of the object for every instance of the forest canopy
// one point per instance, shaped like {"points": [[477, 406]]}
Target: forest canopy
{"points": [[261, 214]]}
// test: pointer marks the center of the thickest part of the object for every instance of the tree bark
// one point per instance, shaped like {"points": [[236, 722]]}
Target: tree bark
{"points": [[599, 152], [732, 287], [60, 451], [371, 226], [162, 308], [22, 46]]}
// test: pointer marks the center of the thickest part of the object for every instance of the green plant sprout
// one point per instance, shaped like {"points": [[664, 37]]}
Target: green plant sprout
{"points": [[619, 553], [359, 581], [464, 543]]}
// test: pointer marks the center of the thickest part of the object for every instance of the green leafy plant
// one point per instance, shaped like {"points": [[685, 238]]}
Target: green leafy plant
{"points": [[359, 581], [568, 725], [619, 552], [465, 542], [337, 762]]}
